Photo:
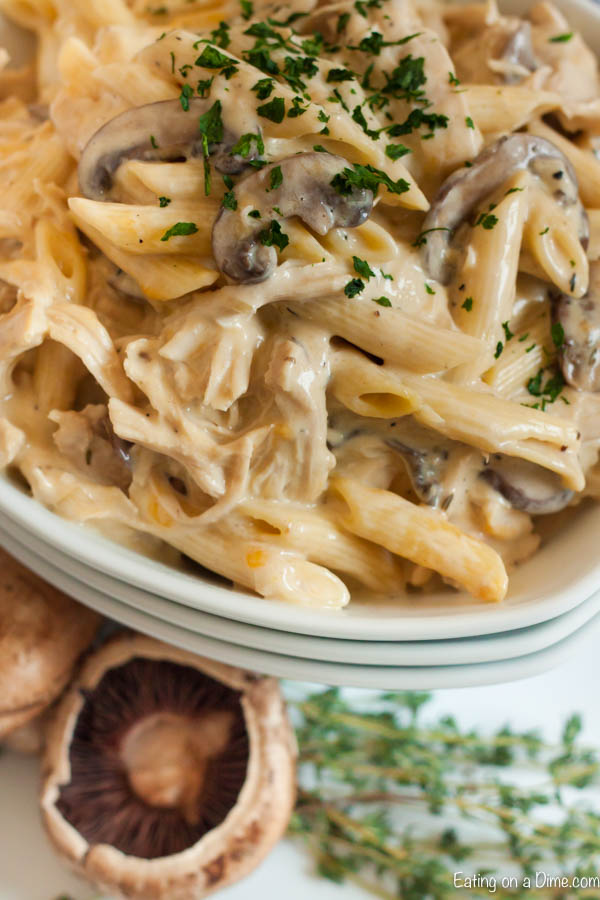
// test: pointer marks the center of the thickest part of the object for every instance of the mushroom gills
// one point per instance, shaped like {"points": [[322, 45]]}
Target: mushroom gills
{"points": [[526, 486], [241, 244], [161, 131], [518, 52], [579, 353], [464, 190], [158, 758]]}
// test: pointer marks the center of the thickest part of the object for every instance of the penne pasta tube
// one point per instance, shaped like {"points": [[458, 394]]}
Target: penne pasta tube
{"points": [[422, 535]]}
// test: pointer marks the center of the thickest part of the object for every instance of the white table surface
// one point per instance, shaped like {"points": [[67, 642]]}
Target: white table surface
{"points": [[30, 871]]}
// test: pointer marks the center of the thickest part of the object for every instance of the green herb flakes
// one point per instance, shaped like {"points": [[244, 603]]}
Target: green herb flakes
{"points": [[382, 301], [558, 334], [274, 110], [354, 287], [468, 304], [561, 38], [180, 229], [362, 268], [273, 236], [276, 178], [163, 201], [187, 91]]}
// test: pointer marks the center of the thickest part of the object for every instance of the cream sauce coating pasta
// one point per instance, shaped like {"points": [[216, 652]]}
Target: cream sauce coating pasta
{"points": [[307, 293]]}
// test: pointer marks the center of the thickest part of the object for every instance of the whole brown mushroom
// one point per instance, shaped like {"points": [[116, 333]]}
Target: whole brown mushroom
{"points": [[42, 635], [167, 775]]}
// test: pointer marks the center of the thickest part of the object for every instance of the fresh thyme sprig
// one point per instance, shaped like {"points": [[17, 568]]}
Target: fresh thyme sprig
{"points": [[398, 806]]}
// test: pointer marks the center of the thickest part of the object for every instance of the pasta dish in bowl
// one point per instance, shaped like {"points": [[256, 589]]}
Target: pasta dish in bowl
{"points": [[308, 294]]}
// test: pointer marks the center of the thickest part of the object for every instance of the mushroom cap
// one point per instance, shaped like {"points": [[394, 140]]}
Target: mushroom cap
{"points": [[526, 485], [579, 353], [462, 191], [224, 854], [42, 635]]}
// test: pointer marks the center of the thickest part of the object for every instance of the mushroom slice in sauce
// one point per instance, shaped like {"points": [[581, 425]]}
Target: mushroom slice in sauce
{"points": [[464, 190], [166, 774], [526, 486], [425, 455], [88, 440], [157, 131], [518, 52], [579, 353], [42, 635], [303, 188]]}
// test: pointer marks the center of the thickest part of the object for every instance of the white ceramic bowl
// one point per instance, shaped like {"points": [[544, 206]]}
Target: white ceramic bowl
{"points": [[562, 575]]}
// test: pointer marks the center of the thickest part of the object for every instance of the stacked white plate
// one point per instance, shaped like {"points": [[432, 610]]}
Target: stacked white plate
{"points": [[418, 641]]}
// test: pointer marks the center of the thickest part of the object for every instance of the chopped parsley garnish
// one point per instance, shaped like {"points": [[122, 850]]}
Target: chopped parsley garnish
{"points": [[211, 58], [354, 287], [220, 36], [418, 119], [429, 289], [229, 200], [453, 80], [382, 301], [180, 228], [548, 391], [362, 268], [530, 348], [297, 68], [367, 177], [421, 238], [487, 221], [210, 126], [263, 88], [185, 70], [164, 201], [407, 79], [260, 58], [276, 178], [293, 17], [561, 38], [153, 142], [513, 190], [342, 22], [523, 337], [204, 86], [313, 46], [545, 231], [396, 151], [172, 55], [323, 117], [359, 117], [468, 304], [255, 214], [374, 43], [296, 109], [187, 91], [469, 122], [274, 110], [558, 334], [243, 147], [338, 75], [361, 6], [247, 9], [273, 236], [508, 334], [319, 148], [499, 349]]}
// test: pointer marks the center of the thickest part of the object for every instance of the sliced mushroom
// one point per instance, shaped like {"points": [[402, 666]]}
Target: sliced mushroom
{"points": [[304, 190], [167, 775], [42, 635], [579, 353], [425, 455], [526, 486], [157, 131], [518, 52], [464, 190]]}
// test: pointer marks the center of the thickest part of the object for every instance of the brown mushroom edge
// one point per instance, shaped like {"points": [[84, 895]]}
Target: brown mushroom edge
{"points": [[108, 745], [42, 636]]}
